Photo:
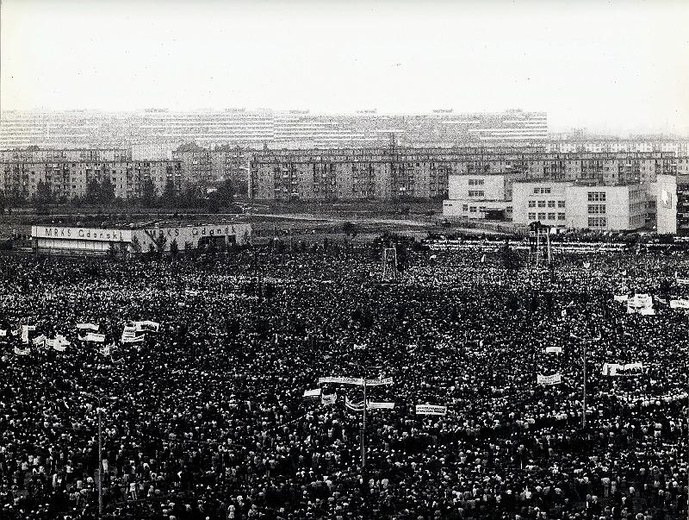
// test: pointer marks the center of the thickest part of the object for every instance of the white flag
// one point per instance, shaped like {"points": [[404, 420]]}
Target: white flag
{"points": [[21, 352], [553, 350], [312, 393]]}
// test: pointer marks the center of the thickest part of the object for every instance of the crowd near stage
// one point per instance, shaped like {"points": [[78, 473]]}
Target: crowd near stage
{"points": [[295, 383]]}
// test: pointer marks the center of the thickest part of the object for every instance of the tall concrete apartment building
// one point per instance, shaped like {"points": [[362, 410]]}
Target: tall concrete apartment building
{"points": [[265, 128], [68, 172]]}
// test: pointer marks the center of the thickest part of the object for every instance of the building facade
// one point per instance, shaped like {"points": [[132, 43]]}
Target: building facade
{"points": [[574, 206], [97, 241], [67, 180], [480, 196], [667, 211], [397, 173]]}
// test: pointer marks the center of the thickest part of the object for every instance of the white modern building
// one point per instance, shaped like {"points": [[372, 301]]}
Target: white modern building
{"points": [[479, 196], [573, 206]]}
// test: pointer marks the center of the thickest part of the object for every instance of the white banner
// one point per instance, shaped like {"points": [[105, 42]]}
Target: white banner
{"points": [[312, 393], [379, 382], [640, 304], [92, 337], [553, 350], [618, 370], [621, 298], [358, 381], [147, 326], [22, 352], [428, 409], [341, 380], [554, 379], [39, 340], [129, 336], [679, 304], [88, 326], [382, 405]]}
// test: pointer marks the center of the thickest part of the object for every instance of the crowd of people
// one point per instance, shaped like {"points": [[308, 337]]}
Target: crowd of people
{"points": [[207, 419]]}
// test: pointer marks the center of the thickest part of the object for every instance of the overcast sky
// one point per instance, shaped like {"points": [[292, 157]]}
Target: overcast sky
{"points": [[616, 66]]}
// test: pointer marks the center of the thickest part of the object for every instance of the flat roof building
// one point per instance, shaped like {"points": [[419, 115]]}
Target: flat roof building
{"points": [[100, 241]]}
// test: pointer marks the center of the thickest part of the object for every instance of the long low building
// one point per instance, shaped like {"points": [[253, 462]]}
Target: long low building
{"points": [[99, 241]]}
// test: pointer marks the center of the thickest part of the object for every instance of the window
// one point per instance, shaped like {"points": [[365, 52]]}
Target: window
{"points": [[536, 191], [541, 216], [596, 196], [472, 209], [532, 216], [541, 204], [551, 216], [465, 207], [476, 193], [545, 190], [596, 209], [476, 182], [598, 222], [532, 203], [560, 203], [561, 216], [551, 203]]}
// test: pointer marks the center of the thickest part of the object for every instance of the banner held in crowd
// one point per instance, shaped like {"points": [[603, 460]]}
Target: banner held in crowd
{"points": [[429, 409], [554, 379]]}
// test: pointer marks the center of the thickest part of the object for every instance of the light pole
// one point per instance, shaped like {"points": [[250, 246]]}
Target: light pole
{"points": [[100, 451], [584, 360]]}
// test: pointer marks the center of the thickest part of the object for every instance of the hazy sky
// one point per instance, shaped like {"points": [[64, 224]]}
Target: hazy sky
{"points": [[614, 66]]}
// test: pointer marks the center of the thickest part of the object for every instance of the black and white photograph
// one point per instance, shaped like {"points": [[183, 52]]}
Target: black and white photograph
{"points": [[344, 260]]}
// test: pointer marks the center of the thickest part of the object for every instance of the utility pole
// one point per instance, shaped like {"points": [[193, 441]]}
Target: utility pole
{"points": [[100, 450], [100, 463], [363, 430], [584, 341]]}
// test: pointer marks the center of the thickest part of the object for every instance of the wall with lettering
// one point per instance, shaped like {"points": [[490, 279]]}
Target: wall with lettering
{"points": [[77, 233], [161, 238]]}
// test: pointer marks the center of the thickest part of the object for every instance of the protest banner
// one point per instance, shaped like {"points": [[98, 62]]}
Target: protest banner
{"points": [[428, 409], [554, 379]]}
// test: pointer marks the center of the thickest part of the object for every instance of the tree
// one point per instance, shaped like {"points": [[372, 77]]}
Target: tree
{"points": [[107, 191], [169, 196], [174, 248], [148, 192], [93, 192], [225, 193], [43, 193]]}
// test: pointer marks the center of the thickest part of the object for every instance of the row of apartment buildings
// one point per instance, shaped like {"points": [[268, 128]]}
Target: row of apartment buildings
{"points": [[404, 173], [69, 180], [259, 128]]}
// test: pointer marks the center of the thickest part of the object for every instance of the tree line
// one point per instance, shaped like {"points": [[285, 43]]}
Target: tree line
{"points": [[102, 193]]}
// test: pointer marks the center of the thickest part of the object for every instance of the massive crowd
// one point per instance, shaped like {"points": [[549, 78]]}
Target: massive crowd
{"points": [[207, 419]]}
